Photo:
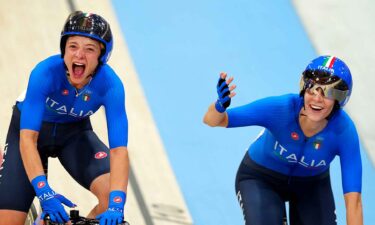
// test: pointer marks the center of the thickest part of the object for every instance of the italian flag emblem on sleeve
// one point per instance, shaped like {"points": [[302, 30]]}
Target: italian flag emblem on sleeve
{"points": [[86, 97], [317, 144]]}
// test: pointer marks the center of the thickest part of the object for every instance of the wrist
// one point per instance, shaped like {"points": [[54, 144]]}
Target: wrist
{"points": [[117, 200], [42, 190], [219, 106]]}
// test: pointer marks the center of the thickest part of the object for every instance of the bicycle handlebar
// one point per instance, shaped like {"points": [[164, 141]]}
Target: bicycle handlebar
{"points": [[76, 219]]}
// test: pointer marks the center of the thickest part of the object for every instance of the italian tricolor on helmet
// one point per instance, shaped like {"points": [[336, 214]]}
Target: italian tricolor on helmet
{"points": [[330, 74]]}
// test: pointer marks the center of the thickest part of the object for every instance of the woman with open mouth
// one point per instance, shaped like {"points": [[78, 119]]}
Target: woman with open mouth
{"points": [[53, 120], [289, 161]]}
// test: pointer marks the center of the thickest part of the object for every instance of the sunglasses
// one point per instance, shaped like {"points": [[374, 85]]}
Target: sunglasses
{"points": [[333, 87]]}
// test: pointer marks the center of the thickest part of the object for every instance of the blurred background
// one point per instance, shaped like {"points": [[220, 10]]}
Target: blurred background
{"points": [[169, 55]]}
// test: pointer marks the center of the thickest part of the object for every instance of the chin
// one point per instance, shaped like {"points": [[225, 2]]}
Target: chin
{"points": [[75, 81], [78, 80], [317, 117]]}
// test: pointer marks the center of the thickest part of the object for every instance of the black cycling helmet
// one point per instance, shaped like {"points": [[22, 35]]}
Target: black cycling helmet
{"points": [[88, 25]]}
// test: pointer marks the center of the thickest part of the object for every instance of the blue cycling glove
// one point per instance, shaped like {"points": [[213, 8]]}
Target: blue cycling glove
{"points": [[50, 201], [223, 92], [115, 212]]}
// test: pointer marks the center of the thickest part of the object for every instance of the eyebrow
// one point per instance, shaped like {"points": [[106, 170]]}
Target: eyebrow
{"points": [[89, 44], [93, 45]]}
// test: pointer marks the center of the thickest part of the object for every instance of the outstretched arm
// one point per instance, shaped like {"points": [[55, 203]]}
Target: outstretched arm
{"points": [[353, 205], [216, 114]]}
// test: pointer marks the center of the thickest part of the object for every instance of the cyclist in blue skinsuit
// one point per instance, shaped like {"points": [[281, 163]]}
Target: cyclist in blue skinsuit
{"points": [[289, 161], [52, 120]]}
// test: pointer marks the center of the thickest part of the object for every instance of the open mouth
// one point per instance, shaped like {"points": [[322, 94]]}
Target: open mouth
{"points": [[316, 108], [78, 70]]}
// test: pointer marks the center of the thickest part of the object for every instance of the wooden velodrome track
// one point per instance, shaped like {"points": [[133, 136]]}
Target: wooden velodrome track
{"points": [[31, 33], [33, 29]]}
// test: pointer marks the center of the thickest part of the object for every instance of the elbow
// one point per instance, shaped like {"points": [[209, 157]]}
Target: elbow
{"points": [[353, 200], [216, 121], [209, 122], [24, 142], [28, 138]]}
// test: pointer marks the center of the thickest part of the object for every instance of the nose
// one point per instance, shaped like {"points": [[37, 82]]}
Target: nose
{"points": [[79, 53], [318, 94]]}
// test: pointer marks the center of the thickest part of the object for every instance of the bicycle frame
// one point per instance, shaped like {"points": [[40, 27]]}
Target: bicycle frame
{"points": [[76, 219]]}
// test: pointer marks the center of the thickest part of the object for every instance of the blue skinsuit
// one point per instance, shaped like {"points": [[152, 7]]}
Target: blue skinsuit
{"points": [[51, 98], [60, 113], [283, 150]]}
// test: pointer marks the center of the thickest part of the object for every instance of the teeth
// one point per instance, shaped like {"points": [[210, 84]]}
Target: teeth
{"points": [[316, 107], [78, 64]]}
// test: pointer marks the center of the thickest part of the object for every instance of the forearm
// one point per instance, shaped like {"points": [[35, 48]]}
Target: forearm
{"points": [[119, 163], [214, 118], [354, 214], [29, 154]]}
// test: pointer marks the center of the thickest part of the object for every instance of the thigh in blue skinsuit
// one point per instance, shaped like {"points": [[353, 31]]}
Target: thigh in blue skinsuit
{"points": [[80, 151], [16, 192], [85, 157], [262, 195]]}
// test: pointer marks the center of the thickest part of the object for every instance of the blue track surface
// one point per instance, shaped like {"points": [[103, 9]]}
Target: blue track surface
{"points": [[179, 49]]}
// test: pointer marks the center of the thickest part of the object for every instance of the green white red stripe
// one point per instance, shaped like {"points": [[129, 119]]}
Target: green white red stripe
{"points": [[86, 97], [329, 61]]}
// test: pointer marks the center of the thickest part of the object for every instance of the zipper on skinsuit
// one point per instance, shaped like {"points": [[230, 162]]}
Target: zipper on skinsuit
{"points": [[54, 130], [305, 140]]}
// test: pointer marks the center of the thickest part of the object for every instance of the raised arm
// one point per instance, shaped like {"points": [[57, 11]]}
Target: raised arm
{"points": [[216, 114]]}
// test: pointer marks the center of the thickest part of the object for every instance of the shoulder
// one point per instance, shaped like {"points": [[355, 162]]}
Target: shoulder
{"points": [[52, 62], [49, 66], [107, 83], [106, 75], [46, 71], [342, 124]]}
